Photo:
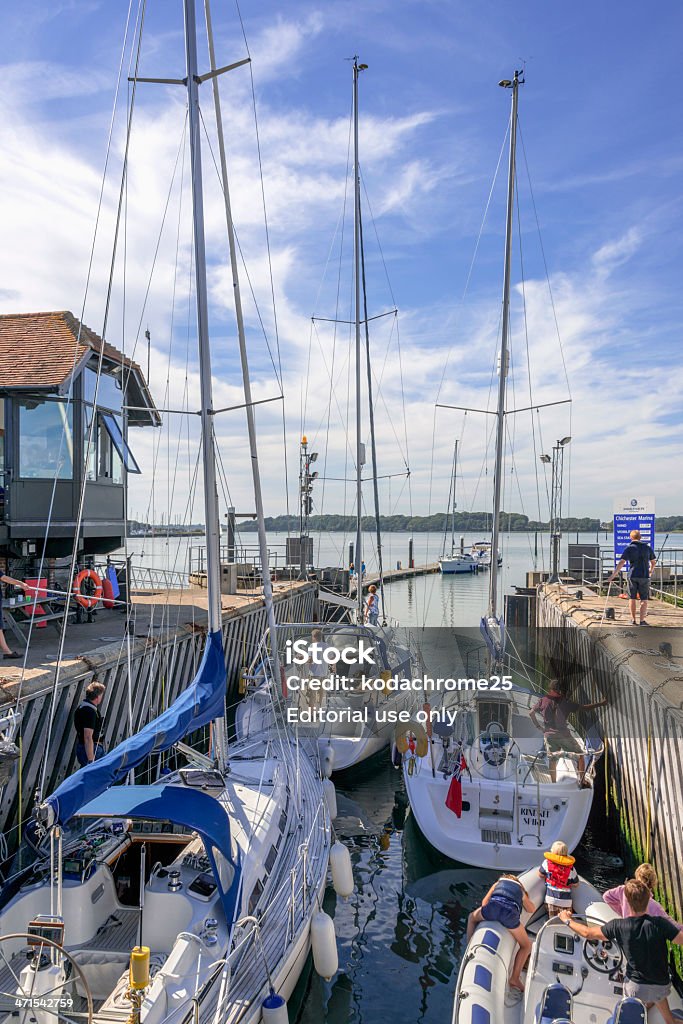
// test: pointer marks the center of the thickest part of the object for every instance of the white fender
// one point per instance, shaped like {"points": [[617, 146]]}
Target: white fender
{"points": [[324, 945], [340, 865], [274, 1010], [328, 760], [330, 794]]}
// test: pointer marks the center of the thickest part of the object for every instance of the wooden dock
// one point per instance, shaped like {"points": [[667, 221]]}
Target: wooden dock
{"points": [[392, 575], [154, 663], [639, 671]]}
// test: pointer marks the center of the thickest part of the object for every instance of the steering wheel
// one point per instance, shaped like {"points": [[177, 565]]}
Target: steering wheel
{"points": [[494, 745], [603, 955]]}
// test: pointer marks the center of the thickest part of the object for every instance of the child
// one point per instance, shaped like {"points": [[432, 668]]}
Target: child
{"points": [[616, 898], [560, 878]]}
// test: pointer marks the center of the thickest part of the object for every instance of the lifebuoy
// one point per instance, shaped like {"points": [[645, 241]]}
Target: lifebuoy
{"points": [[107, 593], [90, 599], [412, 736]]}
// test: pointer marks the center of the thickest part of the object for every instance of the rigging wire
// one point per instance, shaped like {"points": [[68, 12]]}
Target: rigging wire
{"points": [[88, 446]]}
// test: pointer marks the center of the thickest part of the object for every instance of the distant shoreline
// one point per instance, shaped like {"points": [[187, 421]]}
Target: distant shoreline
{"points": [[465, 522]]}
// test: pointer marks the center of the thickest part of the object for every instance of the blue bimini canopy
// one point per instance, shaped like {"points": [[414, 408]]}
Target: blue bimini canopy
{"points": [[192, 808], [202, 701]]}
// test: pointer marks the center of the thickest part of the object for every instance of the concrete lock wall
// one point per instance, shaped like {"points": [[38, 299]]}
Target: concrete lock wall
{"points": [[160, 668], [643, 730]]}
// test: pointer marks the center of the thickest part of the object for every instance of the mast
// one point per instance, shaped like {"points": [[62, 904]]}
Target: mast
{"points": [[207, 412], [455, 473], [504, 353], [246, 379], [360, 448]]}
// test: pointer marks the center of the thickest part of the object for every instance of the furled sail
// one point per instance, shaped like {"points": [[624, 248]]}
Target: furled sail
{"points": [[202, 701]]}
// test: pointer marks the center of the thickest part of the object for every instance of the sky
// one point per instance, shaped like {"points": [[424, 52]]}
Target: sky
{"points": [[596, 306]]}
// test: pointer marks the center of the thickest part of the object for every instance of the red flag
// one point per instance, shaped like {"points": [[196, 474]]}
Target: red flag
{"points": [[454, 797]]}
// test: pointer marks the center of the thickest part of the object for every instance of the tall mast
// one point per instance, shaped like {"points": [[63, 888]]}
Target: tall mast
{"points": [[357, 258], [246, 379], [206, 413], [503, 369], [455, 473]]}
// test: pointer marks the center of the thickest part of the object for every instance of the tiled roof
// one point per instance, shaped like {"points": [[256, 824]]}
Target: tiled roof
{"points": [[40, 350]]}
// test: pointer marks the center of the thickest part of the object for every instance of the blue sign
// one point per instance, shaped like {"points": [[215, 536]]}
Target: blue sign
{"points": [[633, 514]]}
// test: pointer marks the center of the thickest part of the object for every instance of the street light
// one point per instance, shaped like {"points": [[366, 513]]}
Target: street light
{"points": [[557, 462]]}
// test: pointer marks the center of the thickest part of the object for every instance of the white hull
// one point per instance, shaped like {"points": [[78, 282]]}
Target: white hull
{"points": [[269, 807], [512, 810], [351, 742], [460, 564], [482, 991]]}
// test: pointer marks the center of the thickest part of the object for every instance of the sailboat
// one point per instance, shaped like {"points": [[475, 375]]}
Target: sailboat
{"points": [[353, 717], [486, 790], [194, 898], [457, 561]]}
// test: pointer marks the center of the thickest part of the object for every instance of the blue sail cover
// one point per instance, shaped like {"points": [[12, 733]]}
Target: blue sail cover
{"points": [[202, 701]]}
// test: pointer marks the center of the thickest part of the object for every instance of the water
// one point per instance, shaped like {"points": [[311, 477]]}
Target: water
{"points": [[401, 935]]}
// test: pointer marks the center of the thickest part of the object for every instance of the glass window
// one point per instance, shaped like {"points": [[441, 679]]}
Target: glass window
{"points": [[45, 440], [116, 434], [109, 396]]}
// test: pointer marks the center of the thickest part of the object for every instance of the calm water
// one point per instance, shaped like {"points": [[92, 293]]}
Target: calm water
{"points": [[401, 935]]}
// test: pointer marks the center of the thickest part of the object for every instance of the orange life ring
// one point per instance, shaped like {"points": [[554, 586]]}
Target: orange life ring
{"points": [[91, 599]]}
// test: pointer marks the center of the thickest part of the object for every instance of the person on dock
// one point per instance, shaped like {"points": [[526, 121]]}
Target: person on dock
{"points": [[88, 724], [504, 903], [559, 874], [7, 651], [616, 897], [641, 559], [643, 940], [372, 606], [555, 709]]}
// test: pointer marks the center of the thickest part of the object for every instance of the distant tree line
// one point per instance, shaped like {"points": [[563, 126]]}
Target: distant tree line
{"points": [[465, 522]]}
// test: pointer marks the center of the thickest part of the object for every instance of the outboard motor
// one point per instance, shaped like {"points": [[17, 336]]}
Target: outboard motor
{"points": [[629, 1011], [445, 731]]}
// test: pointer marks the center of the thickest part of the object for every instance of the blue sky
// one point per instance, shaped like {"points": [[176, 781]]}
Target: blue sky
{"points": [[600, 123]]}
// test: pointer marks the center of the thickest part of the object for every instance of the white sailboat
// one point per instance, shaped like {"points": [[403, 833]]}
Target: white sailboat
{"points": [[569, 979], [481, 552], [355, 721], [193, 899], [456, 561], [493, 796]]}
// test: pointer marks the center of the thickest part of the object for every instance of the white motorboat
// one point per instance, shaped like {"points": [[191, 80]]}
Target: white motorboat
{"points": [[514, 800], [569, 979], [342, 711], [481, 552], [458, 561]]}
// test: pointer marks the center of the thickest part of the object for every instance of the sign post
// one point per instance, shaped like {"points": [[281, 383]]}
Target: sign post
{"points": [[633, 514]]}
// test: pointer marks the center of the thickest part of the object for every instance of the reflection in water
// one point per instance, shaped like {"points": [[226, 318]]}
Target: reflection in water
{"points": [[401, 935]]}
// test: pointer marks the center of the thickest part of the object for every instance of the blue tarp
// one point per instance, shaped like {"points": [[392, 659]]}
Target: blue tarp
{"points": [[202, 701], [184, 805], [195, 810]]}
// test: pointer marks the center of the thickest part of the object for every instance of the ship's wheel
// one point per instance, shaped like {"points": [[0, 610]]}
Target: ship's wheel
{"points": [[41, 983]]}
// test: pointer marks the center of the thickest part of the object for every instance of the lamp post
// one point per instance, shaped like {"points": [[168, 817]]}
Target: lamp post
{"points": [[557, 472], [306, 480]]}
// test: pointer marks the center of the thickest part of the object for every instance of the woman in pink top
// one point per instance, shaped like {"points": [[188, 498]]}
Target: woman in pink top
{"points": [[616, 899]]}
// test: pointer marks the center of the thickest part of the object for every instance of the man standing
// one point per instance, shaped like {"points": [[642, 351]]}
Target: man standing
{"points": [[4, 646], [643, 941], [641, 559], [555, 708], [88, 723]]}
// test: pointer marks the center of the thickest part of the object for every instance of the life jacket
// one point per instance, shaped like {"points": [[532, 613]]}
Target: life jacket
{"points": [[508, 891], [559, 870]]}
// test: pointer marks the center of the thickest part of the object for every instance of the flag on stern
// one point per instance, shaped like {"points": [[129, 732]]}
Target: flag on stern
{"points": [[454, 797]]}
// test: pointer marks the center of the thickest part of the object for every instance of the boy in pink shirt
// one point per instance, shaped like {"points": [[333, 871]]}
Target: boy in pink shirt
{"points": [[616, 899]]}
